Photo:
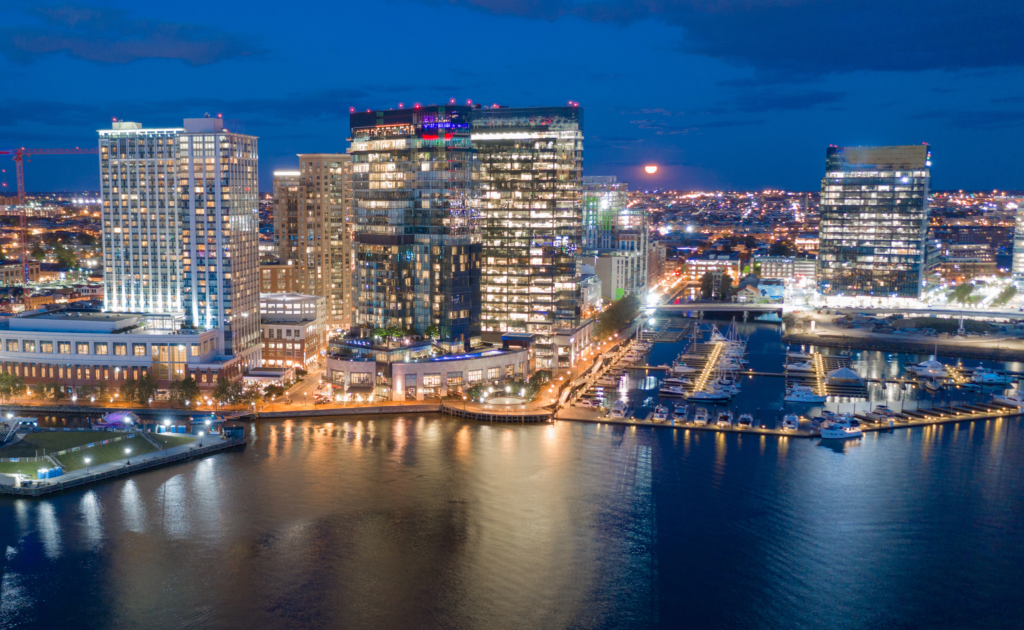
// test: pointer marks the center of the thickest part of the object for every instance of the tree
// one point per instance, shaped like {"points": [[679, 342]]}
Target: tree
{"points": [[538, 378], [1005, 296], [185, 391], [228, 392], [432, 332], [726, 289], [11, 385], [38, 253], [65, 257], [962, 293], [620, 313], [781, 248], [57, 391], [145, 388], [707, 285], [129, 390], [708, 290]]}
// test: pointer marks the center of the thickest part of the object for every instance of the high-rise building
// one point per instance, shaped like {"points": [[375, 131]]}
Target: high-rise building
{"points": [[1017, 266], [616, 236], [417, 252], [218, 190], [140, 231], [529, 192], [874, 220], [287, 199]]}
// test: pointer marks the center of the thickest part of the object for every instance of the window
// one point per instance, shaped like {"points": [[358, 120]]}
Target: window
{"points": [[493, 374], [194, 349], [454, 379], [121, 349], [508, 371], [64, 347], [46, 346], [139, 349], [360, 378], [431, 380], [475, 376], [12, 345], [30, 346], [101, 348], [82, 348]]}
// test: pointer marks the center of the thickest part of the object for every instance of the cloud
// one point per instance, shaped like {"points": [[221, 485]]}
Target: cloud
{"points": [[783, 100], [110, 35], [975, 120], [790, 40], [664, 129]]}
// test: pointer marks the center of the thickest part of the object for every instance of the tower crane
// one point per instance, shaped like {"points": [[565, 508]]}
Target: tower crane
{"points": [[20, 156]]}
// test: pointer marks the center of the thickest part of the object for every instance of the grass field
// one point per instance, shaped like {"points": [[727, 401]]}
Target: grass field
{"points": [[170, 441], [105, 453], [25, 468], [53, 442]]}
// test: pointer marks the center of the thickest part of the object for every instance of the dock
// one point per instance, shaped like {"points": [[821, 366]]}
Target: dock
{"points": [[818, 380]]}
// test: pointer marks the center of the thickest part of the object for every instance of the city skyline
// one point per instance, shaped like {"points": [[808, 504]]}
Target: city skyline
{"points": [[662, 84]]}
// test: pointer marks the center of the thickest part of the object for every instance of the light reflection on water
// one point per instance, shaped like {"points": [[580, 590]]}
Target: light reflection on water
{"points": [[433, 522]]}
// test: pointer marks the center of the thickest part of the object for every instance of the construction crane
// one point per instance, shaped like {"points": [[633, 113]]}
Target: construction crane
{"points": [[20, 157]]}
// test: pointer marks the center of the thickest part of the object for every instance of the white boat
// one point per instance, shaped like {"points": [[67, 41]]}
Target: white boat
{"points": [[713, 396], [790, 422], [682, 368], [988, 377], [799, 355], [700, 417], [802, 394], [727, 384], [746, 421], [672, 390], [800, 367], [931, 385], [724, 419], [880, 413], [619, 409], [842, 428], [679, 413], [660, 413], [1014, 398], [677, 381], [929, 369]]}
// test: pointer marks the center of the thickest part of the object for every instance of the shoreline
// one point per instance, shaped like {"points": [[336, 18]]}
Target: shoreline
{"points": [[904, 346]]}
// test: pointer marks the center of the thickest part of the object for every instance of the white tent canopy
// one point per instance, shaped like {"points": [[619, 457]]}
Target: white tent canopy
{"points": [[844, 375]]}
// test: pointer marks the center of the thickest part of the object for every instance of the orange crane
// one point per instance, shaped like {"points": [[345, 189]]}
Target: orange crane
{"points": [[20, 157]]}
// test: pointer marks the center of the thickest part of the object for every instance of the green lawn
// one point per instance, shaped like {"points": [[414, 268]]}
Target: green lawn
{"points": [[105, 453], [25, 468], [170, 441], [55, 441]]}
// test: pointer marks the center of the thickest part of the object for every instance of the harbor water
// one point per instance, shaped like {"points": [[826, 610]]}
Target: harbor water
{"points": [[433, 522]]}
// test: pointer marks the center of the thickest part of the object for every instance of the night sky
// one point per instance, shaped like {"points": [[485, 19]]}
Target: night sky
{"points": [[722, 94]]}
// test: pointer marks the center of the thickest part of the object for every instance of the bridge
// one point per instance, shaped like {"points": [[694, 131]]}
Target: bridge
{"points": [[730, 307], [718, 307]]}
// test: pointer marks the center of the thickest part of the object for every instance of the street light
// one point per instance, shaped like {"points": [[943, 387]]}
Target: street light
{"points": [[201, 438], [128, 452], [87, 460]]}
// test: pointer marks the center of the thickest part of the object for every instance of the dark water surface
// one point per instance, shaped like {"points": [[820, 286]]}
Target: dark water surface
{"points": [[420, 522]]}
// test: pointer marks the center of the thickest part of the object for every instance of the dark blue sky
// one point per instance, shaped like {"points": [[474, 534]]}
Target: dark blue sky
{"points": [[741, 94]]}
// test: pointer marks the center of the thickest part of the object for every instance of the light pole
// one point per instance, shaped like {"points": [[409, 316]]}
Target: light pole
{"points": [[128, 453], [87, 460], [200, 439]]}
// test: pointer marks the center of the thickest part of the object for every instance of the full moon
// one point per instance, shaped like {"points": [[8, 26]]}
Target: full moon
{"points": [[651, 169]]}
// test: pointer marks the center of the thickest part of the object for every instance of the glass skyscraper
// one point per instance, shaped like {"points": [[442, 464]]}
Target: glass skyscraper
{"points": [[615, 236], [529, 192], [874, 220], [417, 249]]}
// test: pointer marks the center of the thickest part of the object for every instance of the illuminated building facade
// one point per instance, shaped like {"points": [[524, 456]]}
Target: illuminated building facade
{"points": [[1018, 237], [417, 250], [616, 236], [218, 186], [287, 199], [140, 231], [874, 220], [530, 197]]}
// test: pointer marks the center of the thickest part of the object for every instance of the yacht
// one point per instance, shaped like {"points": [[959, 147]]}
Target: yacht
{"points": [[929, 369], [682, 368], [880, 413], [700, 417], [710, 396], [660, 413], [842, 428], [679, 413], [790, 422], [619, 409], [800, 367], [803, 356], [1014, 398], [988, 377], [672, 390], [746, 421], [588, 403], [931, 385], [724, 419], [728, 384], [802, 394], [677, 381]]}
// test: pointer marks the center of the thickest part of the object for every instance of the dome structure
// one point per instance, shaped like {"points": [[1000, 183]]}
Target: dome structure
{"points": [[118, 420]]}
